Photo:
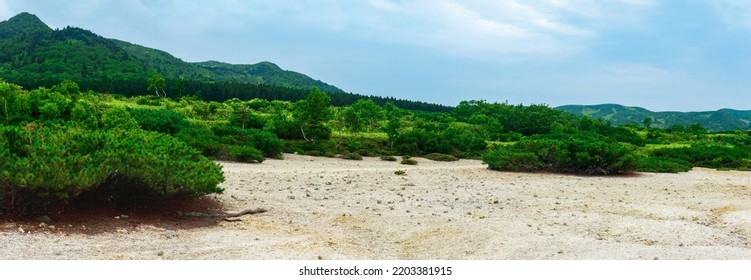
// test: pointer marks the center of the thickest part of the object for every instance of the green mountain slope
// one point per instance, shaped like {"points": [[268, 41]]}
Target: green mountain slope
{"points": [[263, 73], [720, 120], [32, 54]]}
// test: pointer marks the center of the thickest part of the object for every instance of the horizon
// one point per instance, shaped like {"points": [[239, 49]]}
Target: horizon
{"points": [[635, 53]]}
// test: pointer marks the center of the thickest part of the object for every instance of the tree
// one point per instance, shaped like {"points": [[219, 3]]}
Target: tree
{"points": [[394, 123], [352, 119], [368, 112], [696, 129], [8, 93], [312, 114], [157, 83]]}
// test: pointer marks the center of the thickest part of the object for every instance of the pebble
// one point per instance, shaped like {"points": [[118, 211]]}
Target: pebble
{"points": [[170, 234]]}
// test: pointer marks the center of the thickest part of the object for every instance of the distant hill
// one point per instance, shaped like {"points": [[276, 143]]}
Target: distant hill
{"points": [[720, 120], [32, 54]]}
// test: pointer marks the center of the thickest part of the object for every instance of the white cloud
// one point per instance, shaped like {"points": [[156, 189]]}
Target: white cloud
{"points": [[481, 29]]}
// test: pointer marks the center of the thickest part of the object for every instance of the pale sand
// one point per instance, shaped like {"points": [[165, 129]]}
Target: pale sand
{"points": [[341, 209]]}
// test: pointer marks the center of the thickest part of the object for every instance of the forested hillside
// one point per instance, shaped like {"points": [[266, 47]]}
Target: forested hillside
{"points": [[34, 55], [720, 120]]}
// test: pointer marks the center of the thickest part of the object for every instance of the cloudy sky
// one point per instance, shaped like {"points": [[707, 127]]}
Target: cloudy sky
{"points": [[681, 55]]}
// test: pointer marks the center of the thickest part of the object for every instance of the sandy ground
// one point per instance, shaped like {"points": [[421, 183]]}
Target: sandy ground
{"points": [[321, 208]]}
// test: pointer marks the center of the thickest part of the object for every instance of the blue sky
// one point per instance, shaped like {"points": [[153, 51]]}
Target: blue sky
{"points": [[681, 55]]}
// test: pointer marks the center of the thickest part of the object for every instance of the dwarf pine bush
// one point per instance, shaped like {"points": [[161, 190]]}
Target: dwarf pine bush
{"points": [[43, 163]]}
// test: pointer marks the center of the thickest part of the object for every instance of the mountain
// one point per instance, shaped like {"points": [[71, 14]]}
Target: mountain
{"points": [[720, 120], [32, 54]]}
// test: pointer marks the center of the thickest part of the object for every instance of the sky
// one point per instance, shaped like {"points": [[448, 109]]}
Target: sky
{"points": [[669, 55]]}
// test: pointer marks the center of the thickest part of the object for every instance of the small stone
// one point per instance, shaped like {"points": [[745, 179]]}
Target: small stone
{"points": [[42, 225], [124, 216], [117, 217], [291, 197], [170, 234], [122, 231], [160, 253], [20, 229]]}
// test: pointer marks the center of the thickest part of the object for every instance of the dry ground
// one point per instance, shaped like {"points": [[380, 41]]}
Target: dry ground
{"points": [[339, 209]]}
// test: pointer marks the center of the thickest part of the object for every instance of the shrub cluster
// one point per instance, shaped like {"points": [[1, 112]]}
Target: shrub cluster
{"points": [[662, 165], [576, 153], [440, 157], [388, 158], [352, 156], [44, 162], [706, 154], [408, 161]]}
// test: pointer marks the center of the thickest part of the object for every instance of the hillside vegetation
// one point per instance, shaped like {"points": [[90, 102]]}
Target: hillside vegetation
{"points": [[34, 55], [720, 120], [58, 143]]}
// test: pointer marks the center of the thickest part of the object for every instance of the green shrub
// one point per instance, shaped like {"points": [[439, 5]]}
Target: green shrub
{"points": [[266, 142], [245, 154], [202, 138], [164, 121], [118, 118], [507, 160], [400, 172], [60, 162], [84, 114], [709, 155], [663, 165], [388, 158], [165, 164], [327, 148], [243, 118], [409, 161], [576, 153], [149, 100], [440, 157], [352, 156]]}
